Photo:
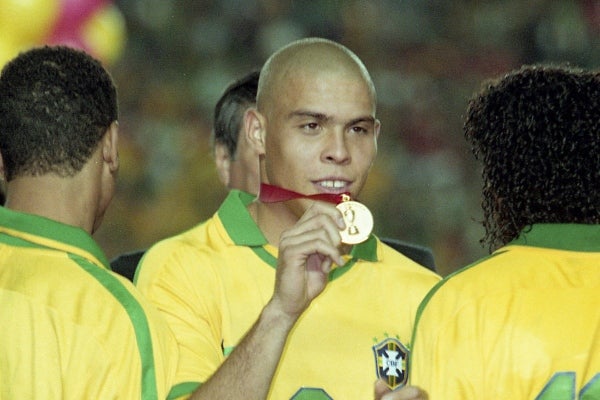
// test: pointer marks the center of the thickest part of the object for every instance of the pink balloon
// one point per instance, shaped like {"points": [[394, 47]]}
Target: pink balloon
{"points": [[73, 13], [70, 39]]}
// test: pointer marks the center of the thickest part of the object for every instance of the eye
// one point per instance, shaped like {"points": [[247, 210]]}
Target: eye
{"points": [[310, 127], [359, 129]]}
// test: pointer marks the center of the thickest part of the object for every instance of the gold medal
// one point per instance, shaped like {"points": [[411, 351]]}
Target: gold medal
{"points": [[359, 222]]}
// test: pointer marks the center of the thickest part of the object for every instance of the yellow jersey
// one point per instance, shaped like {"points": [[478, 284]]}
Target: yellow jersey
{"points": [[212, 282], [523, 323]]}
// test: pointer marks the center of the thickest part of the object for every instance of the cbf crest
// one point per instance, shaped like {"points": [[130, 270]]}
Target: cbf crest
{"points": [[391, 362]]}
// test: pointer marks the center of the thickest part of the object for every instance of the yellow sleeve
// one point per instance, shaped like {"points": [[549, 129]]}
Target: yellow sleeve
{"points": [[178, 279]]}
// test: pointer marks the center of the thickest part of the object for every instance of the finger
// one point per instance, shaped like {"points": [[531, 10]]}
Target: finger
{"points": [[297, 249], [315, 261], [319, 262], [316, 281], [321, 208], [310, 242], [319, 223]]}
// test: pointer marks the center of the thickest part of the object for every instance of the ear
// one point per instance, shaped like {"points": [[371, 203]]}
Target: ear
{"points": [[376, 130], [254, 129], [110, 152], [223, 163]]}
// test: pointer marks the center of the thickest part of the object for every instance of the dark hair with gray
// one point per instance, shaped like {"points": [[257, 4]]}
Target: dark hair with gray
{"points": [[229, 111]]}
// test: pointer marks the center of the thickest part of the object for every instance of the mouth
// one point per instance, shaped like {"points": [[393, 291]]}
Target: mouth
{"points": [[333, 185]]}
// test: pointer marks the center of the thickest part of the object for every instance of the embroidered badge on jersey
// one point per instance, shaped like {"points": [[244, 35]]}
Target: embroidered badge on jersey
{"points": [[391, 362]]}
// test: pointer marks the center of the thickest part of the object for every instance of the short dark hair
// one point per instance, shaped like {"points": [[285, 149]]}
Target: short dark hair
{"points": [[230, 108], [56, 103], [537, 132]]}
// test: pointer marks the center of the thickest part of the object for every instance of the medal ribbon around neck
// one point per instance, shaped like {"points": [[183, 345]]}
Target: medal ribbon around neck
{"points": [[358, 218], [274, 194]]}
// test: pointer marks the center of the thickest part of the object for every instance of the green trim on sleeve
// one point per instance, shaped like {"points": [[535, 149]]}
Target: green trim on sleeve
{"points": [[138, 319], [183, 389]]}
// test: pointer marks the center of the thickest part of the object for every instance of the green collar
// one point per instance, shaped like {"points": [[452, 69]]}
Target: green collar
{"points": [[242, 229], [44, 232], [574, 237], [237, 221]]}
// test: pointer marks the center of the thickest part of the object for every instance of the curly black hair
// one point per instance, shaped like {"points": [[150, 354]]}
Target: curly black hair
{"points": [[229, 111], [56, 103], [536, 131]]}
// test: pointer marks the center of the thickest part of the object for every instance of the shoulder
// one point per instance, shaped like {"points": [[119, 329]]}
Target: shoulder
{"points": [[466, 288], [93, 294], [397, 270], [181, 265], [175, 249]]}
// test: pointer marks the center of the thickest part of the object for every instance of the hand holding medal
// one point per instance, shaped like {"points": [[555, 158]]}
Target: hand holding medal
{"points": [[358, 218]]}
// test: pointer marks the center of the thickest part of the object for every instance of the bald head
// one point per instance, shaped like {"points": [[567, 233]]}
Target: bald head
{"points": [[305, 58]]}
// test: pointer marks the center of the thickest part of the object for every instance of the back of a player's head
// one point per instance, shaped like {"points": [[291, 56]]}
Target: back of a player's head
{"points": [[56, 104], [537, 132], [229, 111]]}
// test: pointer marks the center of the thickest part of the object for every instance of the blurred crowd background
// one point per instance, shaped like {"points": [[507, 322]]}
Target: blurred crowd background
{"points": [[171, 59]]}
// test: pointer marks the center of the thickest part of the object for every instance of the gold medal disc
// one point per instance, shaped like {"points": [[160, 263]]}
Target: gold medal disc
{"points": [[359, 222]]}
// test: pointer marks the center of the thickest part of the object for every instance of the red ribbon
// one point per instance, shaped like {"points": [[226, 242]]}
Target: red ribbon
{"points": [[273, 194]]}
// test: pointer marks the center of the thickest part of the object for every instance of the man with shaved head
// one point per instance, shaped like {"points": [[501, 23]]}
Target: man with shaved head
{"points": [[292, 288]]}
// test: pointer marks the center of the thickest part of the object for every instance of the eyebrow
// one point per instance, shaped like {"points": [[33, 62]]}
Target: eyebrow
{"points": [[322, 117], [368, 119], [306, 113]]}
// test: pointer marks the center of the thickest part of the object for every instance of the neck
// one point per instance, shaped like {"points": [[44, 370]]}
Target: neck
{"points": [[273, 218], [50, 196]]}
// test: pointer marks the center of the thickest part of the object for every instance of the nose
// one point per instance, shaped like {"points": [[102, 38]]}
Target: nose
{"points": [[335, 149]]}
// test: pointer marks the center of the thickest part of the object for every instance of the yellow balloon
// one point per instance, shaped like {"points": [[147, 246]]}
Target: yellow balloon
{"points": [[7, 52], [27, 21], [104, 33], [10, 49]]}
